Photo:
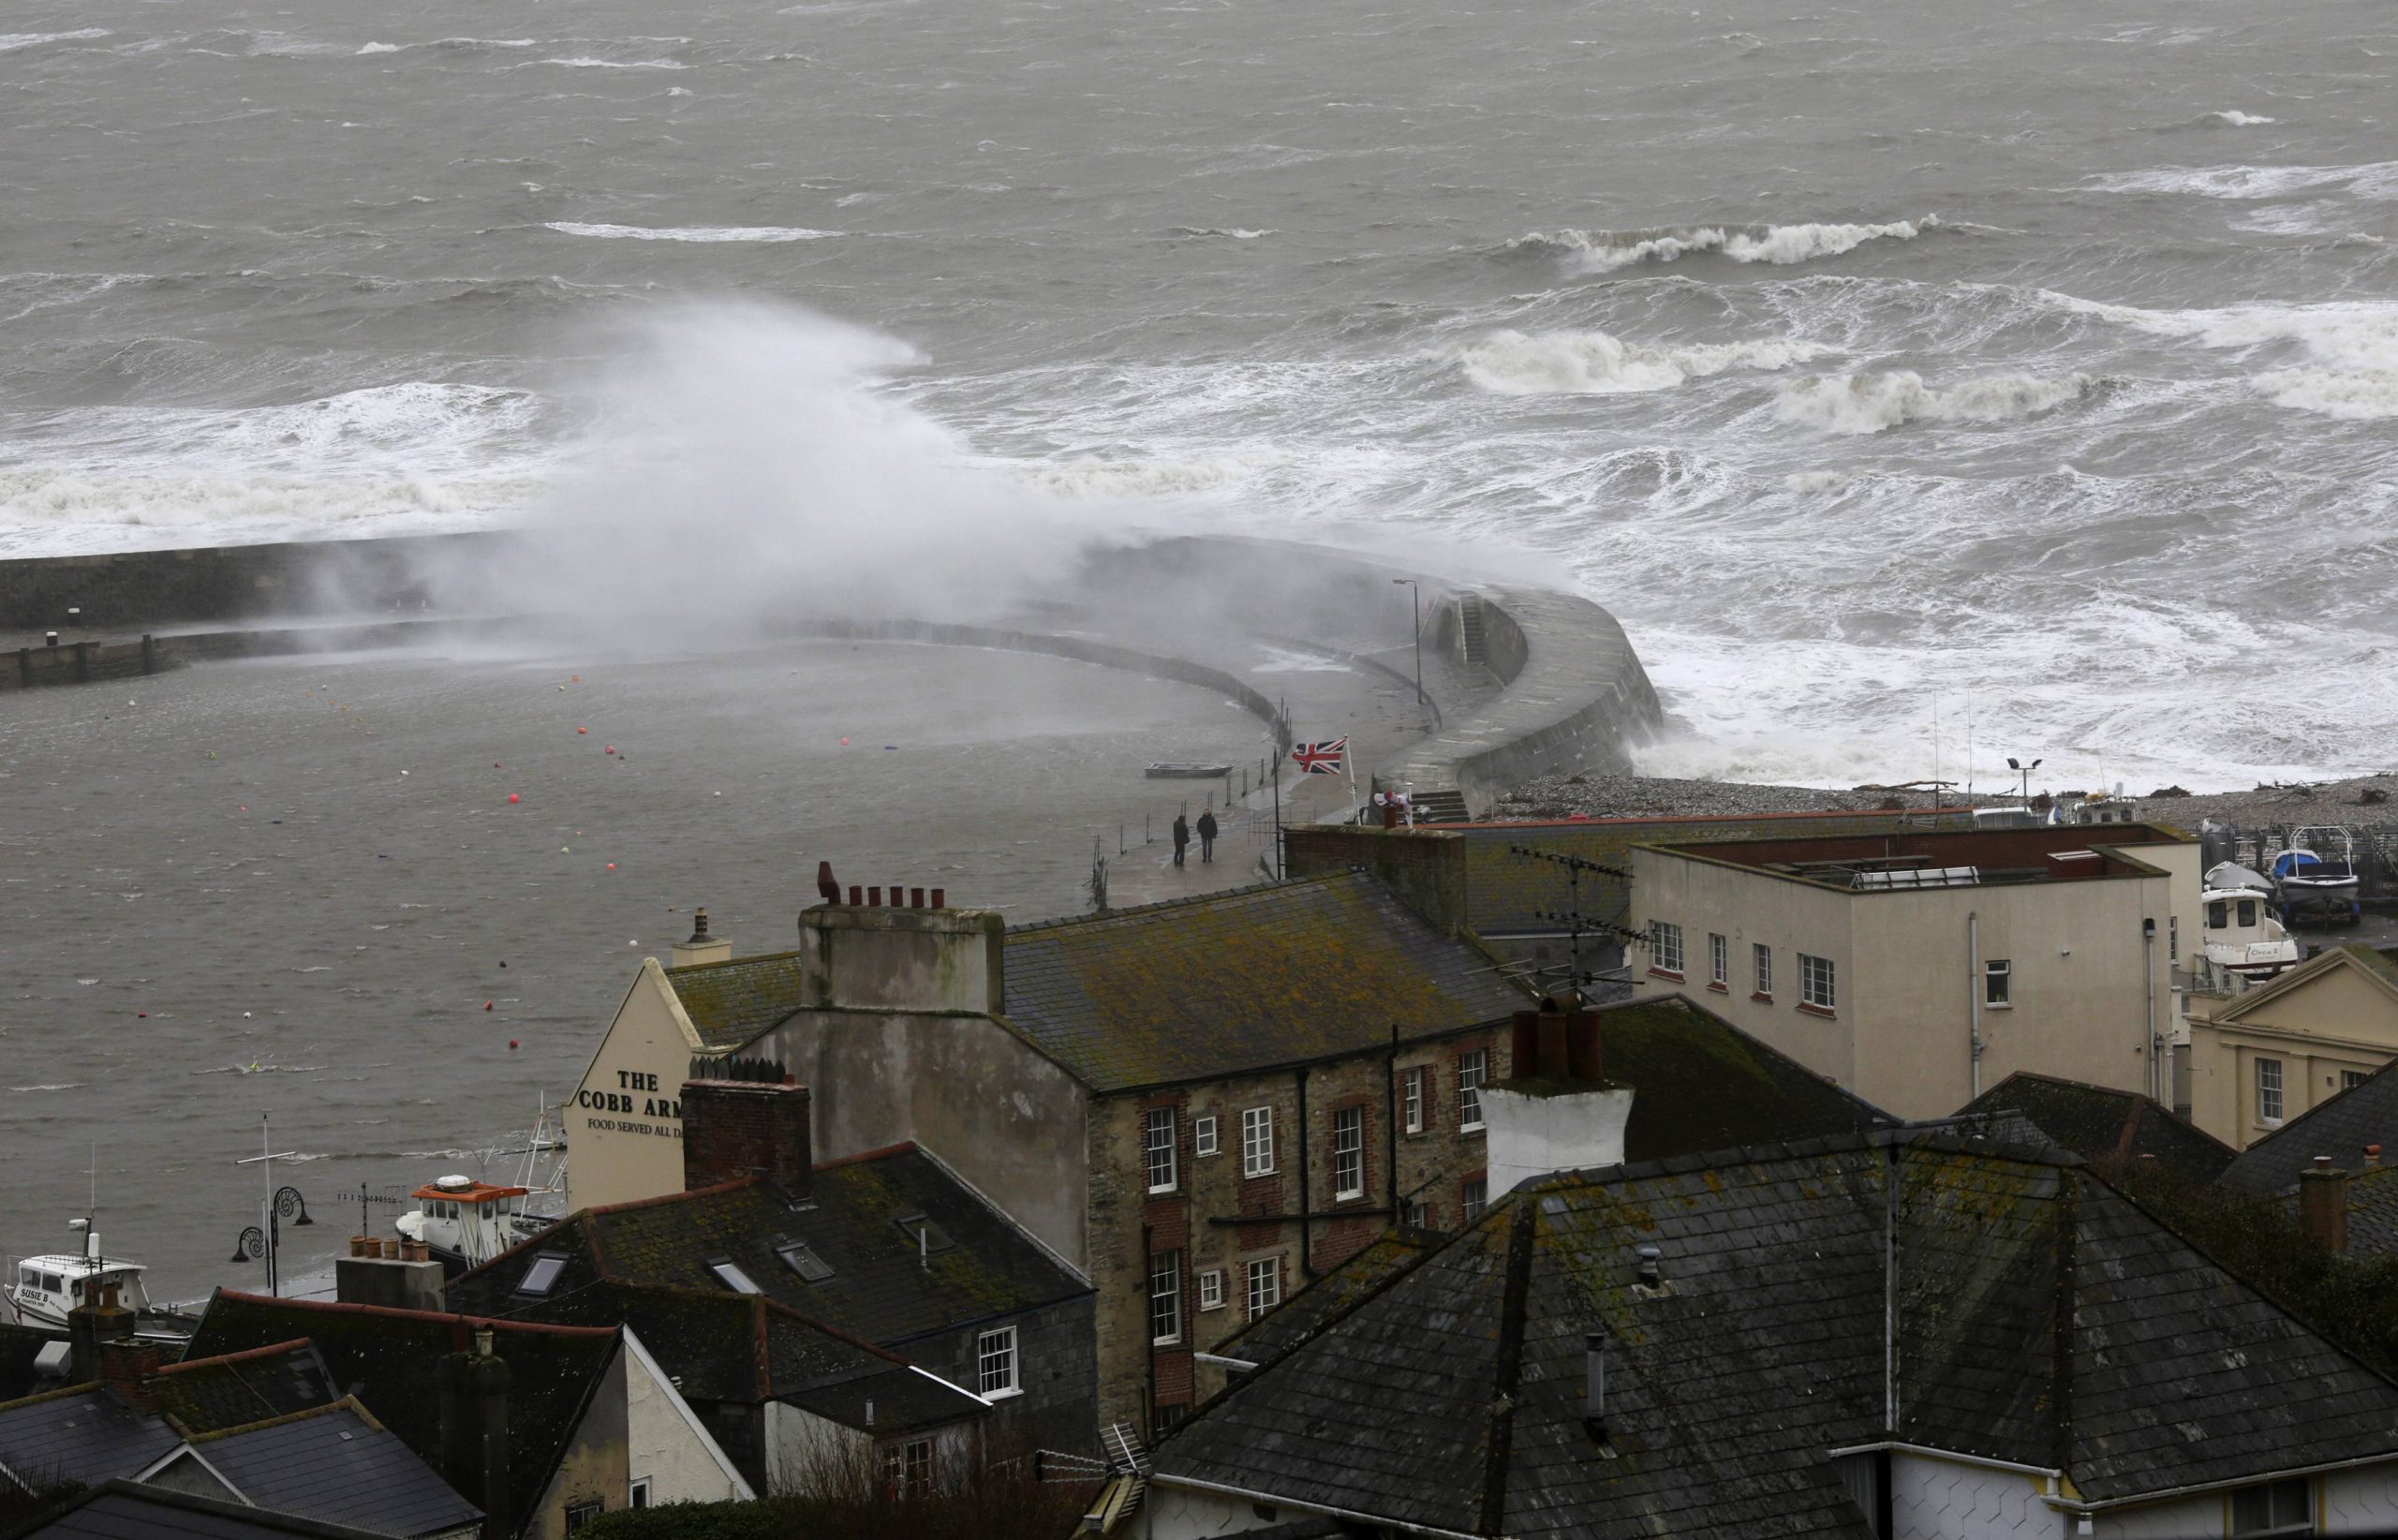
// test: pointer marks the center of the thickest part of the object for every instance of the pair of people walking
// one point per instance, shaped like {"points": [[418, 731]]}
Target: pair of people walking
{"points": [[1207, 836]]}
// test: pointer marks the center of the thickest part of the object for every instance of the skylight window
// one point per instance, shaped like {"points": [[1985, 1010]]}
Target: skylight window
{"points": [[731, 1277], [924, 1234], [806, 1264], [542, 1275]]}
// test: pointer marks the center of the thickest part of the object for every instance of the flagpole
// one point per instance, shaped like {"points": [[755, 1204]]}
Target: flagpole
{"points": [[1277, 817]]}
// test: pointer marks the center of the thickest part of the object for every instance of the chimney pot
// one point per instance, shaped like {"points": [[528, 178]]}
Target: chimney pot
{"points": [[1595, 1383], [941, 898], [915, 898], [874, 897], [699, 924], [857, 895], [2373, 1155]]}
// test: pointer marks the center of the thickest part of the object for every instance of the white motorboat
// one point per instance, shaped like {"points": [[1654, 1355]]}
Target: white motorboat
{"points": [[2316, 875], [45, 1288], [466, 1222], [2243, 942]]}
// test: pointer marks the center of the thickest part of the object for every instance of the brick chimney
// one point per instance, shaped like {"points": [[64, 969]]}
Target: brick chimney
{"points": [[88, 1326], [733, 1129], [125, 1367], [701, 947], [2323, 1204], [475, 1436]]}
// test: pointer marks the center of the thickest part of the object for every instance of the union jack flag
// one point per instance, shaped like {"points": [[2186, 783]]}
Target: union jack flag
{"points": [[1320, 759]]}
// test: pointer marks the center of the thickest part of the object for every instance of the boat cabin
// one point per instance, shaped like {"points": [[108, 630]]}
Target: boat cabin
{"points": [[2243, 942], [46, 1287], [466, 1222]]}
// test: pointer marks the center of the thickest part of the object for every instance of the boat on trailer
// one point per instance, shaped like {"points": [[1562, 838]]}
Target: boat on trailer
{"points": [[2315, 877], [2243, 942]]}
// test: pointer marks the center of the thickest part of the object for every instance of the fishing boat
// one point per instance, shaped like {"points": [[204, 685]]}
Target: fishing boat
{"points": [[2316, 876], [1184, 770], [45, 1288], [2243, 943], [466, 1221]]}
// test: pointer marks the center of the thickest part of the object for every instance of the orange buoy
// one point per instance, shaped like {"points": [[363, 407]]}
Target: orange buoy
{"points": [[486, 1005], [582, 729]]}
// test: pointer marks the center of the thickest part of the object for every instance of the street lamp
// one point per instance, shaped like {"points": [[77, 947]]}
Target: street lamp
{"points": [[1416, 594], [2026, 772]]}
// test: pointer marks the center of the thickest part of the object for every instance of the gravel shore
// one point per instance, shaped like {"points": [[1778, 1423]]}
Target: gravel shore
{"points": [[2352, 802]]}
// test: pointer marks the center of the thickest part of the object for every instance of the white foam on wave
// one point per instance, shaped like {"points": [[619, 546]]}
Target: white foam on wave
{"points": [[2375, 180], [1870, 402], [585, 62], [1597, 363], [1606, 251], [2234, 118], [1137, 479], [1223, 232], [2350, 347], [703, 234], [2354, 395], [11, 42], [380, 48]]}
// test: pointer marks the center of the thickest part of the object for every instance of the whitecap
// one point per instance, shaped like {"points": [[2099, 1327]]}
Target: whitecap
{"points": [[1605, 251], [1223, 232], [702, 234], [1869, 403], [12, 41], [2376, 179], [1597, 363], [2234, 118], [581, 62], [2356, 395], [380, 48]]}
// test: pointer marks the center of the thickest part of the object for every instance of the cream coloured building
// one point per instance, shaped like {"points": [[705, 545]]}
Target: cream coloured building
{"points": [[1918, 969], [2262, 1056]]}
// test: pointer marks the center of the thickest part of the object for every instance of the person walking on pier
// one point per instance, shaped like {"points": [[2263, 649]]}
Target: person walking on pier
{"points": [[1206, 835], [1181, 837]]}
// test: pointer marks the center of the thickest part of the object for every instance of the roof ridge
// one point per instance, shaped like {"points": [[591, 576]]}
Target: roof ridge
{"points": [[445, 1317], [348, 1403], [1187, 901], [244, 1355], [730, 962], [863, 1156], [656, 1200]]}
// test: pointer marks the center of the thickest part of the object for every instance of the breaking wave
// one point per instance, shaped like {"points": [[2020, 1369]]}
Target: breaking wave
{"points": [[2379, 180], [2357, 395], [12, 41], [1606, 251], [704, 234], [1227, 234], [585, 62], [1597, 363], [2234, 118], [1869, 403]]}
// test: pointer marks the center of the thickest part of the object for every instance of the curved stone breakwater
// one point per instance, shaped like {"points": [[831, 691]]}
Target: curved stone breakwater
{"points": [[1527, 682]]}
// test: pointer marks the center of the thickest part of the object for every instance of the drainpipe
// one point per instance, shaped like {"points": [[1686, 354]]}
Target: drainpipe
{"points": [[1307, 1207], [2161, 1089], [1390, 1122], [1973, 998]]}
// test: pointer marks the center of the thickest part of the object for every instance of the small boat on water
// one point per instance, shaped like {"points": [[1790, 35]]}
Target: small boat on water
{"points": [[2244, 944], [1183, 770], [466, 1222], [2315, 877], [45, 1288]]}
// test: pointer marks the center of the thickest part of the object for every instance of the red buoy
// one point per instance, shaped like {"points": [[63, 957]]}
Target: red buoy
{"points": [[486, 1005], [512, 799]]}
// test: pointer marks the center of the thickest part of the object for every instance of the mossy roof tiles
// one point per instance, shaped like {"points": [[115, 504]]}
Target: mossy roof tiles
{"points": [[1699, 1083], [880, 1288], [1236, 982], [731, 1003], [2105, 1126], [2042, 1319], [208, 1394]]}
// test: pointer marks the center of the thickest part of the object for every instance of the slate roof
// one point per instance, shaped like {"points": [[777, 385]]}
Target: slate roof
{"points": [[2108, 1127], [81, 1433], [1247, 980], [336, 1463], [1451, 1396], [879, 1289], [390, 1359], [19, 1347], [2365, 1114], [1699, 1083], [2373, 1211], [731, 1002], [1308, 1312], [721, 1346], [205, 1395], [123, 1510]]}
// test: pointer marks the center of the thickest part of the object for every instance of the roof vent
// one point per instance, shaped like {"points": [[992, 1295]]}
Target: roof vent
{"points": [[455, 1183], [1652, 1270], [1594, 1383]]}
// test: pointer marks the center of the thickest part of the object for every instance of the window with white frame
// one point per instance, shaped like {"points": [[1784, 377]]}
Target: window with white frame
{"points": [[1203, 1136], [1475, 1198], [1415, 1214], [1665, 947], [1158, 1140], [1473, 1065], [1414, 1087], [1998, 982], [640, 1493], [2351, 1079], [907, 1467], [1166, 1298], [1212, 1289], [1719, 961], [995, 1362], [1815, 984], [1257, 1142], [1348, 1153], [1761, 965], [2269, 1090], [1265, 1285], [730, 1274], [2276, 1508]]}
